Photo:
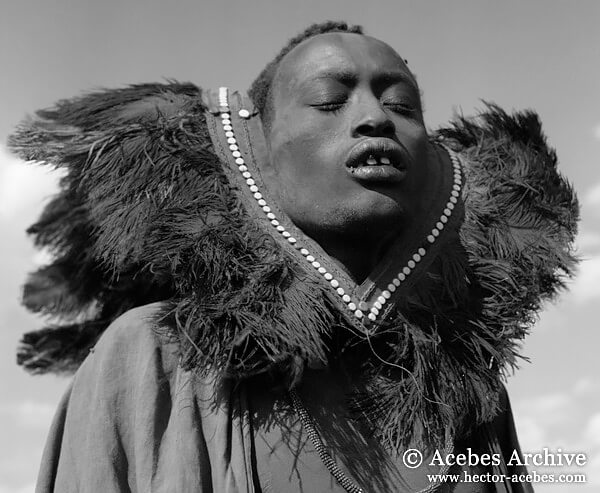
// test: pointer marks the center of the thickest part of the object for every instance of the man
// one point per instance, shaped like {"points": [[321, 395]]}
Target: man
{"points": [[332, 286]]}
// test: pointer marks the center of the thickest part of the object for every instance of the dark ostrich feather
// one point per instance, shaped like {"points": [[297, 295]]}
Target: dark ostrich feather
{"points": [[146, 213]]}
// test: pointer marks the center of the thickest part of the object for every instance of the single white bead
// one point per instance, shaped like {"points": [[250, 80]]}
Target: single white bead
{"points": [[381, 299], [270, 215], [285, 234], [243, 167], [229, 133], [254, 188], [374, 311], [371, 316], [247, 174], [406, 271], [377, 305], [435, 232], [304, 252], [358, 314], [447, 212], [275, 222], [244, 113], [328, 276], [334, 283], [225, 116], [401, 276], [262, 202], [281, 229], [391, 287], [450, 206], [250, 181], [417, 257], [231, 140], [386, 294], [430, 238], [439, 225], [340, 291], [236, 154], [239, 160], [453, 200], [352, 306], [227, 127], [310, 258], [292, 240], [233, 147], [444, 219], [411, 264], [226, 121], [396, 281], [266, 208], [422, 251], [316, 264], [258, 196], [322, 270], [455, 190]]}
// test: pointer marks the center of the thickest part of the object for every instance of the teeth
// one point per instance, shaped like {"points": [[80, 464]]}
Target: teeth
{"points": [[371, 161], [384, 160]]}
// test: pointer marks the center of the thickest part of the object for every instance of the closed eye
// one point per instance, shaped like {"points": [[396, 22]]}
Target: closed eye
{"points": [[401, 108], [328, 107]]}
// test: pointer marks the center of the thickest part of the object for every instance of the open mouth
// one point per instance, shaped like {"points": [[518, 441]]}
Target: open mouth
{"points": [[377, 160]]}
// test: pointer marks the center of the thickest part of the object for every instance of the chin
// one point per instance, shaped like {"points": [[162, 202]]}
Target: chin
{"points": [[376, 206], [370, 213]]}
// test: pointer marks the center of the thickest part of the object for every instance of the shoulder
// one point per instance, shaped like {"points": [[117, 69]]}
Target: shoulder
{"points": [[136, 327], [134, 347]]}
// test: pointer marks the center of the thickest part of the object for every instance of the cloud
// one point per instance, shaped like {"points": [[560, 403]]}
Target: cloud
{"points": [[28, 488], [563, 420], [22, 185], [586, 285], [592, 429], [587, 241], [29, 414], [591, 198]]}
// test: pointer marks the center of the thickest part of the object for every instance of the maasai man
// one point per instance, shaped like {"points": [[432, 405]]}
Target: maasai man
{"points": [[297, 291]]}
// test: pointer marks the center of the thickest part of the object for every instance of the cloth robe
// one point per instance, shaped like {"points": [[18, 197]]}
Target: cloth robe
{"points": [[133, 420]]}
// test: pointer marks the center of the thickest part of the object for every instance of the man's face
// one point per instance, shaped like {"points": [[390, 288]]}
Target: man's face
{"points": [[347, 138]]}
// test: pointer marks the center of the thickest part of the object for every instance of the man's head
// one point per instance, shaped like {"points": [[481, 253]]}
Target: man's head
{"points": [[345, 130]]}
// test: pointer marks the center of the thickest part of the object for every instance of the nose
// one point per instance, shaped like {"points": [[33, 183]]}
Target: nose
{"points": [[372, 120]]}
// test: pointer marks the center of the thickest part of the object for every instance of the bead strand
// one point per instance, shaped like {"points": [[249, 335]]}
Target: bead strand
{"points": [[307, 423], [386, 294], [247, 175]]}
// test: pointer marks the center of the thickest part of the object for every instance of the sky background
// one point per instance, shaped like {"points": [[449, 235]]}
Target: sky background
{"points": [[539, 54]]}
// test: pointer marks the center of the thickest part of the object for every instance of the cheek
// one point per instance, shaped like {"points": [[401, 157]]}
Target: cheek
{"points": [[303, 151]]}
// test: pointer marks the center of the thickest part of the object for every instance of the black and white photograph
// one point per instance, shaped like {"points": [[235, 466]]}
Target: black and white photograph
{"points": [[300, 246]]}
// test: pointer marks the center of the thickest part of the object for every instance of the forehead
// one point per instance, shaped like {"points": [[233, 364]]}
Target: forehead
{"points": [[340, 53]]}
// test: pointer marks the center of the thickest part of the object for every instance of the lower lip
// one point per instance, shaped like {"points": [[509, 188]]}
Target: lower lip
{"points": [[381, 174]]}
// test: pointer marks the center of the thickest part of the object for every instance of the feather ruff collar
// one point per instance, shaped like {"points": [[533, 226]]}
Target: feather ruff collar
{"points": [[147, 212]]}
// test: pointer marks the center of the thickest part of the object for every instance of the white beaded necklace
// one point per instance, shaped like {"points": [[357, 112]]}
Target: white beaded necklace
{"points": [[377, 307], [378, 304]]}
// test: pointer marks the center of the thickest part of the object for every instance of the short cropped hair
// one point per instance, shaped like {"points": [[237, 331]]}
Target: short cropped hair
{"points": [[260, 89]]}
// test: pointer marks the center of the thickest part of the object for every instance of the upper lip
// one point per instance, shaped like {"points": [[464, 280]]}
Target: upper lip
{"points": [[377, 147]]}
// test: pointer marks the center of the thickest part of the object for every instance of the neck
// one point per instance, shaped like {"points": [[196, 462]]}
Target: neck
{"points": [[357, 254]]}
